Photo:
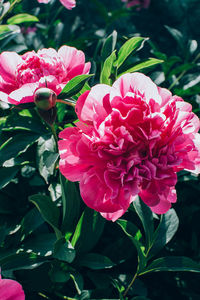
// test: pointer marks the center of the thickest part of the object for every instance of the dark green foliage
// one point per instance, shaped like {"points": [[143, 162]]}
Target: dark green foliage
{"points": [[49, 241]]}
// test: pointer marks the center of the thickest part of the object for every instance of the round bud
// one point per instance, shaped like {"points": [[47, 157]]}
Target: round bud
{"points": [[45, 98]]}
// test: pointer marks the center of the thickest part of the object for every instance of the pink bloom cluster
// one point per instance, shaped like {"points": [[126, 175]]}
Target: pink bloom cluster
{"points": [[139, 3], [21, 76], [11, 290], [132, 139], [69, 4]]}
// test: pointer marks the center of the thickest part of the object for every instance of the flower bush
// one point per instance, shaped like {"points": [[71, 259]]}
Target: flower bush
{"points": [[22, 75], [119, 132]]}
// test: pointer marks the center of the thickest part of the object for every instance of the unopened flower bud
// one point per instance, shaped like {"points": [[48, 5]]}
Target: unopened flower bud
{"points": [[45, 98]]}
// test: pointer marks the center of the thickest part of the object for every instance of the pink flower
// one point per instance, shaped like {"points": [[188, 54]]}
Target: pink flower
{"points": [[21, 75], [69, 4], [11, 290], [132, 139], [139, 3]]}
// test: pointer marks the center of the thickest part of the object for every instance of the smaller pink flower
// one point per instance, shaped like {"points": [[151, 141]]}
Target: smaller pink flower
{"points": [[22, 75], [139, 3], [11, 290], [69, 4]]}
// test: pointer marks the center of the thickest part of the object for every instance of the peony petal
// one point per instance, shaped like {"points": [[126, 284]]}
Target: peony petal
{"points": [[88, 103], [11, 290], [25, 94], [71, 57], [8, 64], [69, 4], [138, 82]]}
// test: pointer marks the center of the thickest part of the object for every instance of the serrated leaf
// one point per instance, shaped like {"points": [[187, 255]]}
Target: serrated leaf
{"points": [[22, 18], [129, 47], [88, 230], [135, 236], [107, 69], [172, 263], [95, 261], [143, 65], [74, 86], [165, 231], [146, 216]]}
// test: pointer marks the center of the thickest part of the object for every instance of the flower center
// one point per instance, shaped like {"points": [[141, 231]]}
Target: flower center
{"points": [[40, 65]]}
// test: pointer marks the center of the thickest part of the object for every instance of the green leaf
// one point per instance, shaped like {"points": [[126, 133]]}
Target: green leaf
{"points": [[172, 263], [71, 205], [190, 91], [58, 275], [21, 261], [85, 88], [31, 221], [22, 18], [48, 210], [177, 35], [181, 68], [46, 156], [109, 45], [64, 251], [40, 244], [74, 86], [6, 175], [107, 69], [131, 46], [29, 123], [8, 30], [146, 217], [16, 145], [88, 230], [143, 65], [135, 236], [165, 231], [95, 261]]}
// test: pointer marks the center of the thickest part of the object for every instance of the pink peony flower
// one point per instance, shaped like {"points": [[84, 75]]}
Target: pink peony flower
{"points": [[69, 4], [11, 290], [21, 75], [139, 3], [132, 139]]}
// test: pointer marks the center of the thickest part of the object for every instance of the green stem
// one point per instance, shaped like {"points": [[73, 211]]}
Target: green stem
{"points": [[130, 285], [54, 133], [183, 73], [11, 7], [68, 102]]}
